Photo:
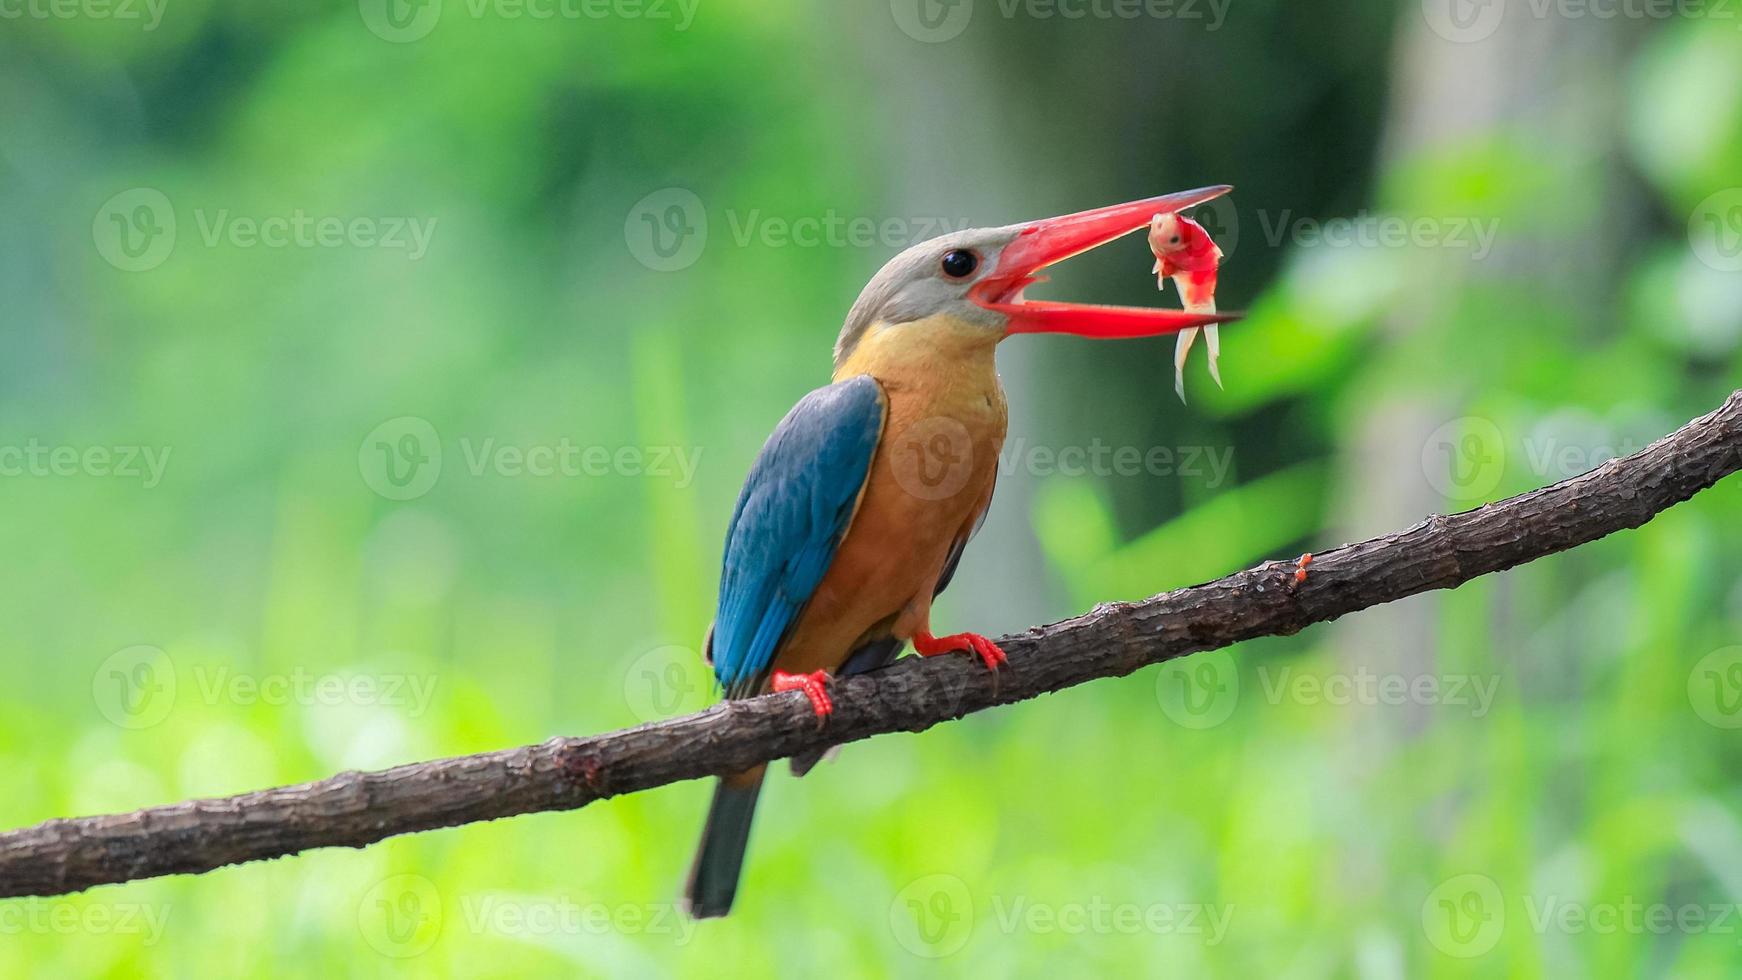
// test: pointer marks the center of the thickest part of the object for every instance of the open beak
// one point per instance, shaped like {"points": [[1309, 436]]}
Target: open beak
{"points": [[1043, 243]]}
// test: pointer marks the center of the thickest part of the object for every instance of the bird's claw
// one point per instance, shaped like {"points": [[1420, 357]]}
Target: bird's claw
{"points": [[927, 645], [1300, 570], [990, 653], [815, 686]]}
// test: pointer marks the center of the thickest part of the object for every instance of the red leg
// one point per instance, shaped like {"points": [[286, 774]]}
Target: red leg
{"points": [[927, 645], [1300, 568], [814, 685]]}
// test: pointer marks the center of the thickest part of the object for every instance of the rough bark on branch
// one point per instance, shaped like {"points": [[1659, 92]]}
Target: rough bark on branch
{"points": [[354, 809]]}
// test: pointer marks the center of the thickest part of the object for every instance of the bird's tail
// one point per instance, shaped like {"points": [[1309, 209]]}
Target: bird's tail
{"points": [[720, 858]]}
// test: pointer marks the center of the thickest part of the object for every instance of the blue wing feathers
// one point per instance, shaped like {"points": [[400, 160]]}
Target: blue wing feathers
{"points": [[791, 516]]}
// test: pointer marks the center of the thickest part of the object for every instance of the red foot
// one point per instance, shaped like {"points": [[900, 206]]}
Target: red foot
{"points": [[814, 685], [1300, 568], [927, 645]]}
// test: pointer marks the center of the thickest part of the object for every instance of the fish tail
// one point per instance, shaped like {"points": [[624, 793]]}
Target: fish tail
{"points": [[1182, 347], [1212, 342]]}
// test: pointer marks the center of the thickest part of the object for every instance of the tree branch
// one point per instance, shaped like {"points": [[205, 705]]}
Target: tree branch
{"points": [[355, 809]]}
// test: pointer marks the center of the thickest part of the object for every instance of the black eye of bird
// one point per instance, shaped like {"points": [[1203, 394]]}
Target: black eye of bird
{"points": [[959, 263]]}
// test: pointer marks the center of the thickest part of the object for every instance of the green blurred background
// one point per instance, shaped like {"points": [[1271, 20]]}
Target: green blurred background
{"points": [[376, 382]]}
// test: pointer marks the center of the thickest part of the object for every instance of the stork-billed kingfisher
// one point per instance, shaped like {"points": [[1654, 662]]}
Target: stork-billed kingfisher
{"points": [[857, 509]]}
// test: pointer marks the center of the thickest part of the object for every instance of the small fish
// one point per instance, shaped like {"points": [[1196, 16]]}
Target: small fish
{"points": [[1185, 254]]}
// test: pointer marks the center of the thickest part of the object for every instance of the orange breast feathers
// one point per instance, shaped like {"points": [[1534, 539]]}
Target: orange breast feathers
{"points": [[929, 483]]}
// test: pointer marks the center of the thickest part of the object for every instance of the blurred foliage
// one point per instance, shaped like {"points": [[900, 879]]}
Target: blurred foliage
{"points": [[238, 622]]}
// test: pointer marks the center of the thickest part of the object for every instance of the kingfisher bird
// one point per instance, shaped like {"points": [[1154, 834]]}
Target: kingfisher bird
{"points": [[856, 511]]}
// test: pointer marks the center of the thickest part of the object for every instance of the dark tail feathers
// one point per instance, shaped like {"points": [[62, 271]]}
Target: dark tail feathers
{"points": [[720, 858]]}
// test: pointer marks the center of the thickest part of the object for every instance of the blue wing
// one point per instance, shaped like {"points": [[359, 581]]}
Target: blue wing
{"points": [[791, 516]]}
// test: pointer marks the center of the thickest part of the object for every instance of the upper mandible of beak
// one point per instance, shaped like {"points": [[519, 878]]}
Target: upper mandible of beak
{"points": [[1042, 243]]}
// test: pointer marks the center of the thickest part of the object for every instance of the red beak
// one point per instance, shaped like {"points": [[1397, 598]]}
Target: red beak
{"points": [[1043, 243]]}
